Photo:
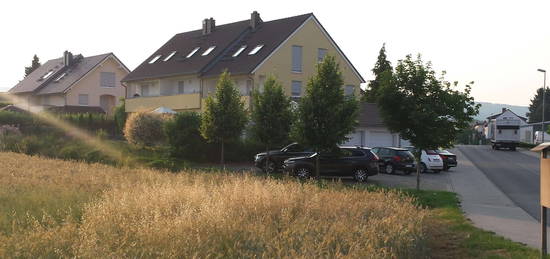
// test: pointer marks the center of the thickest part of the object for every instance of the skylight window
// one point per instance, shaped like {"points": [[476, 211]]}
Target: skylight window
{"points": [[255, 50], [153, 60], [193, 52], [238, 52], [169, 56], [47, 74], [60, 77], [206, 52]]}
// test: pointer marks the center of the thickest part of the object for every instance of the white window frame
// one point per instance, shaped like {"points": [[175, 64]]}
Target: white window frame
{"points": [[208, 51], [192, 52], [169, 56], [298, 67], [101, 79], [319, 51], [155, 58], [45, 76], [239, 51], [60, 77], [80, 102], [292, 93], [255, 50]]}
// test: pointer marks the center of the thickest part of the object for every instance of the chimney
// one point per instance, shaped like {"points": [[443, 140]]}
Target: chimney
{"points": [[67, 58], [208, 26], [255, 20]]}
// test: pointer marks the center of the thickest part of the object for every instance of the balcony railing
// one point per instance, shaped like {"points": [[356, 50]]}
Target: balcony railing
{"points": [[174, 102]]}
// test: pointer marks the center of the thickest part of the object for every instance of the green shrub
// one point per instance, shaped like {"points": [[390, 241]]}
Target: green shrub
{"points": [[120, 116], [144, 129], [183, 136]]}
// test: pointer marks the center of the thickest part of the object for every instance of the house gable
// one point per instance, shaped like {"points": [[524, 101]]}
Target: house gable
{"points": [[311, 37]]}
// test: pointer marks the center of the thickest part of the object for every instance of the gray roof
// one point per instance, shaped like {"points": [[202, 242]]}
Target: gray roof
{"points": [[494, 116], [34, 83], [369, 115], [227, 38]]}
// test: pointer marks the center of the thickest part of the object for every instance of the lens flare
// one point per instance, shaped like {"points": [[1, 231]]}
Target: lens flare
{"points": [[71, 130]]}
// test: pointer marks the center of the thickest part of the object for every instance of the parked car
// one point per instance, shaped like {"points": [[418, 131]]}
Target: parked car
{"points": [[393, 159], [277, 157], [449, 159], [430, 160], [349, 161]]}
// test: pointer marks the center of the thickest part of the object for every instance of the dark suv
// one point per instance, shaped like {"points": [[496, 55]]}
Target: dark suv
{"points": [[349, 161], [277, 157], [449, 159], [393, 158]]}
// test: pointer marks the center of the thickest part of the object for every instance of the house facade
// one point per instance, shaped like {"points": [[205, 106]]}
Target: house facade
{"points": [[372, 132], [182, 73], [73, 83]]}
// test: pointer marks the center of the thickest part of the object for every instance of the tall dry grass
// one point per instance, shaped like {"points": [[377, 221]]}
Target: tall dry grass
{"points": [[143, 213]]}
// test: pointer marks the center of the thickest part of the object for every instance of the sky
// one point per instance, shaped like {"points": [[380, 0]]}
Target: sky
{"points": [[497, 44]]}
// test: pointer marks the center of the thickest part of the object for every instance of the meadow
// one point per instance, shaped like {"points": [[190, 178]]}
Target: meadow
{"points": [[53, 208]]}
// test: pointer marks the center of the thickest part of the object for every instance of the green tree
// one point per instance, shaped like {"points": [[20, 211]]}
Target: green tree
{"points": [[382, 65], [34, 65], [271, 117], [144, 129], [120, 116], [183, 135], [224, 117], [326, 116], [427, 111], [535, 108]]}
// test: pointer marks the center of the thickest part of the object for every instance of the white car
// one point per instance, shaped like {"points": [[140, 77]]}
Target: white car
{"points": [[430, 160]]}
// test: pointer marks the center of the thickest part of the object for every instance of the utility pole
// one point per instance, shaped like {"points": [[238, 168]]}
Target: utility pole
{"points": [[543, 101]]}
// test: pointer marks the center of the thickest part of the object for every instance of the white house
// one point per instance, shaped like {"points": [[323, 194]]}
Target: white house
{"points": [[508, 125], [372, 132]]}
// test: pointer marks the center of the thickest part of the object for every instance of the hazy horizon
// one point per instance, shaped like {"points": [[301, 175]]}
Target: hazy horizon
{"points": [[498, 45]]}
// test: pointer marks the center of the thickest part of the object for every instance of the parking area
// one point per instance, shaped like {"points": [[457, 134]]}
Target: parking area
{"points": [[429, 181]]}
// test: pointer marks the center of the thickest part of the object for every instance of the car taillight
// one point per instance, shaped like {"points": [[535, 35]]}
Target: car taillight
{"points": [[375, 157], [442, 156], [396, 158]]}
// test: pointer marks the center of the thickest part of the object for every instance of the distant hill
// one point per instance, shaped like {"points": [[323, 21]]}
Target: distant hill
{"points": [[488, 109]]}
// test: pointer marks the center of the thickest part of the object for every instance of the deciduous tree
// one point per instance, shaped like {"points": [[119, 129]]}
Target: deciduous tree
{"points": [[224, 117], [271, 117], [326, 115], [426, 110]]}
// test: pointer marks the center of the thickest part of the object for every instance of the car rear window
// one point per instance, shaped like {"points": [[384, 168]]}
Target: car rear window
{"points": [[404, 153]]}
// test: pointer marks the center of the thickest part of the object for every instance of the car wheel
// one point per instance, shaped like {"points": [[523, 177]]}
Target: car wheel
{"points": [[303, 173], [389, 169], [407, 172], [423, 168], [270, 167], [360, 175], [437, 171]]}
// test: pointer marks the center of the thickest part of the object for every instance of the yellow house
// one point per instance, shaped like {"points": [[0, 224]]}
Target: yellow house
{"points": [[73, 84], [184, 71]]}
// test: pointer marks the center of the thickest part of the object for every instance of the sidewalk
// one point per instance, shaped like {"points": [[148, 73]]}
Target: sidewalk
{"points": [[482, 202], [489, 208]]}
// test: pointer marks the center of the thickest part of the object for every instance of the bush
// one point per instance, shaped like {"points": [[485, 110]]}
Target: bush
{"points": [[120, 116], [183, 136], [144, 129]]}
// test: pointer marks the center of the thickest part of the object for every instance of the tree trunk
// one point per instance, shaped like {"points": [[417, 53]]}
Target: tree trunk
{"points": [[222, 157], [417, 156], [317, 166], [266, 158]]}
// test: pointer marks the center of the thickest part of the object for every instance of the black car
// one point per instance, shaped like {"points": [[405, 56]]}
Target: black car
{"points": [[449, 159], [348, 161], [277, 157], [393, 159]]}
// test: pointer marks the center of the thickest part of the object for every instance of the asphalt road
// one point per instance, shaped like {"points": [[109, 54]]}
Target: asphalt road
{"points": [[514, 173]]}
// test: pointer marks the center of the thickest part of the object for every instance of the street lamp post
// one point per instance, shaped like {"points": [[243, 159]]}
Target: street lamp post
{"points": [[543, 101]]}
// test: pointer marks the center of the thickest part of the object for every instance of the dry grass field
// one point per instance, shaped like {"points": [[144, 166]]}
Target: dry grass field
{"points": [[53, 208]]}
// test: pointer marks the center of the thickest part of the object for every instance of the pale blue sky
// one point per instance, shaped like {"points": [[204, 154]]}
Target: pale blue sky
{"points": [[497, 44]]}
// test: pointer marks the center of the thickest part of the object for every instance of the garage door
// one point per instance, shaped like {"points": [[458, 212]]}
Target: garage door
{"points": [[354, 139], [379, 139]]}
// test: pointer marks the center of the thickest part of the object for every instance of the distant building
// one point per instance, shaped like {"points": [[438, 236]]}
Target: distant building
{"points": [[184, 71], [73, 84]]}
